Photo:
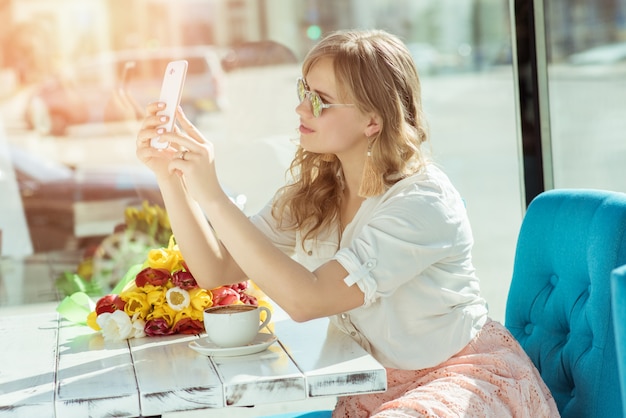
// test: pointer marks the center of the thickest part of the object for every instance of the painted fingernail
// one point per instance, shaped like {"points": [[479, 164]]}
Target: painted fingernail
{"points": [[161, 105], [160, 131], [163, 118]]}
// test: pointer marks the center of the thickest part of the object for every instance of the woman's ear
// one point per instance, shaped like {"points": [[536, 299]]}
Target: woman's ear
{"points": [[374, 125]]}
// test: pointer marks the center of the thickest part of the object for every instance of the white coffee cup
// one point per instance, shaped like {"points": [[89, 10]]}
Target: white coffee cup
{"points": [[234, 325]]}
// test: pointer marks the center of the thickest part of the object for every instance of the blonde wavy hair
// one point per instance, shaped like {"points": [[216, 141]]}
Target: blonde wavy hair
{"points": [[376, 72]]}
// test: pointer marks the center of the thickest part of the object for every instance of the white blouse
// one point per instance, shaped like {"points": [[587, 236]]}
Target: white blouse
{"points": [[409, 251]]}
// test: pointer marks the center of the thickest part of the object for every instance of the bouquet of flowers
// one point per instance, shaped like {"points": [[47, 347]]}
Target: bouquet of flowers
{"points": [[161, 297]]}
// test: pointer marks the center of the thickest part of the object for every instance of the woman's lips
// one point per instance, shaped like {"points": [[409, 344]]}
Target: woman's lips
{"points": [[304, 130]]}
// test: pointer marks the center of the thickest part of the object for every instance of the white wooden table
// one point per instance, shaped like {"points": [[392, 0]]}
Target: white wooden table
{"points": [[52, 368]]}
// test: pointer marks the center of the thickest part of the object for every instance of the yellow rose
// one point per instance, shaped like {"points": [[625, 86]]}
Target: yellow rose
{"points": [[187, 312], [135, 302], [91, 321], [156, 296], [200, 299], [197, 315], [164, 258], [164, 312]]}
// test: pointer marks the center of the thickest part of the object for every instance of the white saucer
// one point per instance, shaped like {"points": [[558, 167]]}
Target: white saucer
{"points": [[208, 348]]}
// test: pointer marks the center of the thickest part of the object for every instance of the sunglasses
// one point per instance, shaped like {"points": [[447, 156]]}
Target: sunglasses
{"points": [[317, 105]]}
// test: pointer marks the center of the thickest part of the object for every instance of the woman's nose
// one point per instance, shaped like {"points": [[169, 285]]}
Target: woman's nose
{"points": [[304, 108]]}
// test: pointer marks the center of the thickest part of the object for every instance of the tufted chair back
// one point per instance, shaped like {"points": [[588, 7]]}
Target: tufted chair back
{"points": [[618, 302], [559, 302]]}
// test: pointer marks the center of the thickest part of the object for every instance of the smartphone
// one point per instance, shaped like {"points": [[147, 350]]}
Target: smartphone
{"points": [[171, 92]]}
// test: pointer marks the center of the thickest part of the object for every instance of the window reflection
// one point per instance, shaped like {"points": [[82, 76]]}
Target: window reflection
{"points": [[245, 104], [462, 50], [587, 86]]}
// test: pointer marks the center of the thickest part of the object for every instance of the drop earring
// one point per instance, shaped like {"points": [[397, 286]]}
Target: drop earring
{"points": [[372, 183]]}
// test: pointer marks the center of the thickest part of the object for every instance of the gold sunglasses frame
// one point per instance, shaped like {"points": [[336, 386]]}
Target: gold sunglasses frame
{"points": [[316, 102]]}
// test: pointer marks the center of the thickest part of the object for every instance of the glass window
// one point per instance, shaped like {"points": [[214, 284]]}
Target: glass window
{"points": [[245, 102], [586, 46]]}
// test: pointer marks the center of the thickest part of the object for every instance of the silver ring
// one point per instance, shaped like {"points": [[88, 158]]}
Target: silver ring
{"points": [[182, 154]]}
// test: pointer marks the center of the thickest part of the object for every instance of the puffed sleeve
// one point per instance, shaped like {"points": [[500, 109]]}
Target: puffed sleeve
{"points": [[404, 235]]}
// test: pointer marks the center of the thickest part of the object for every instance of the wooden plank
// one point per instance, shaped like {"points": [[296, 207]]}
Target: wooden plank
{"points": [[27, 372], [332, 362], [173, 377], [266, 377], [95, 378]]}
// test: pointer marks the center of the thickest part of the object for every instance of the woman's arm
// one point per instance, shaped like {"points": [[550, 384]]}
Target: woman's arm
{"points": [[206, 257], [301, 293]]}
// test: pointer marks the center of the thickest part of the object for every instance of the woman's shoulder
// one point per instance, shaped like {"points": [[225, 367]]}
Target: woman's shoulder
{"points": [[428, 192], [430, 181]]}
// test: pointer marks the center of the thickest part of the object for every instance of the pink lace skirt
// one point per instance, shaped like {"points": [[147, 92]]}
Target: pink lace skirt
{"points": [[491, 377]]}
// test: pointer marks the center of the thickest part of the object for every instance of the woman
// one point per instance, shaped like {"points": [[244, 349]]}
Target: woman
{"points": [[369, 233]]}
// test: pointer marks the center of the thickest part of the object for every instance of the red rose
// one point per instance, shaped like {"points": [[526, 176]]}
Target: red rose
{"points": [[224, 295], [188, 326], [155, 277], [239, 287], [109, 303], [157, 326], [248, 299], [184, 280]]}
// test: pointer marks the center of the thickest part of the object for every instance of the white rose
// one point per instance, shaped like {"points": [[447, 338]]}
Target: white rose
{"points": [[115, 326], [139, 326]]}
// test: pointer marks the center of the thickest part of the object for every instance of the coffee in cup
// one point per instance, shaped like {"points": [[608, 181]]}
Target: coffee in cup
{"points": [[234, 325]]}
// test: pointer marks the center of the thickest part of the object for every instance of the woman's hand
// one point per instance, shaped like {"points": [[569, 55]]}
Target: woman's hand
{"points": [[195, 161], [156, 160]]}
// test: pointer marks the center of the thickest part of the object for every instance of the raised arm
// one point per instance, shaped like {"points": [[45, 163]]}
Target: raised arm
{"points": [[208, 259]]}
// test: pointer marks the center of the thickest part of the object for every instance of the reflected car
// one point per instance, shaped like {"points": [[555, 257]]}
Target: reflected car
{"points": [[69, 208], [52, 193], [117, 86], [257, 54], [613, 53]]}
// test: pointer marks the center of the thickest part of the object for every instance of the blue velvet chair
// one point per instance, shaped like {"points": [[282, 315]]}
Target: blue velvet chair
{"points": [[618, 302], [559, 302]]}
